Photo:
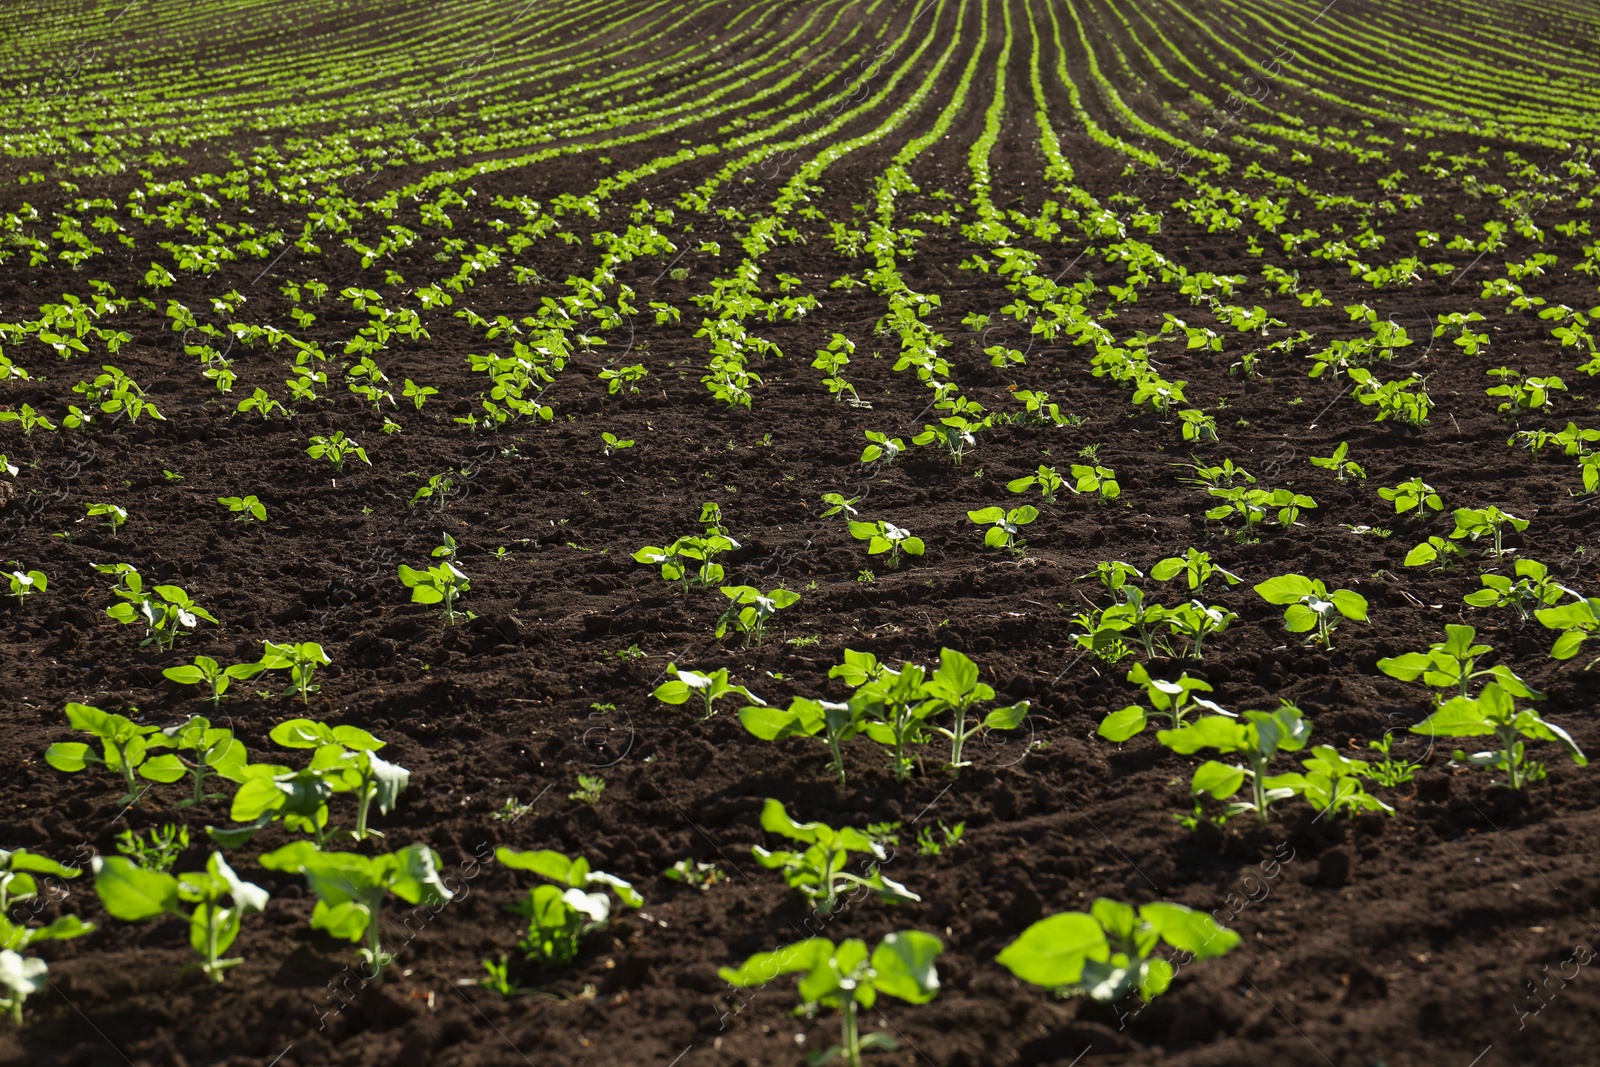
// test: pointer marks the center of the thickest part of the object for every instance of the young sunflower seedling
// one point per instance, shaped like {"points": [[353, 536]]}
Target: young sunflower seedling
{"points": [[610, 443], [1005, 527], [1474, 523], [819, 873], [135, 894], [1412, 494], [751, 609], [1048, 481], [1310, 607], [25, 583], [709, 688], [166, 611], [124, 747], [1331, 783], [838, 504], [1109, 952], [443, 583], [244, 508], [21, 976], [1434, 549], [263, 405], [881, 447], [115, 516], [955, 688], [1344, 469], [1096, 480], [1256, 735], [1453, 664], [560, 916], [350, 890], [418, 394], [835, 723], [883, 536], [1493, 713], [349, 755], [301, 660], [207, 671], [1169, 701], [847, 978], [336, 448], [17, 868], [1578, 621], [201, 751], [1195, 566]]}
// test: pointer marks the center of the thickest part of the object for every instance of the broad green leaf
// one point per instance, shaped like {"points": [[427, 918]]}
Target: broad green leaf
{"points": [[1188, 930], [990, 514], [763, 967], [301, 733], [1407, 668], [904, 963], [1121, 725], [1052, 951], [132, 893], [67, 756], [347, 920], [1006, 718], [1297, 618], [1217, 779], [1285, 589], [544, 862], [163, 769], [1460, 717], [1351, 605]]}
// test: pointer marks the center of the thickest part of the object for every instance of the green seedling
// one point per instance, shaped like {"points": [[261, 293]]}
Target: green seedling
{"points": [[28, 419], [884, 536], [21, 976], [135, 894], [262, 403], [159, 851], [124, 747], [17, 868], [1258, 736], [1493, 713], [819, 873], [201, 751], [1310, 607], [1344, 469], [350, 890], [932, 842], [1105, 629], [1048, 481], [244, 508], [1389, 772], [336, 448], [301, 660], [957, 434], [1197, 426], [1453, 664], [847, 978], [1408, 495], [882, 447], [1474, 523], [1434, 549], [115, 516], [1331, 783], [710, 688], [443, 583], [1523, 394], [835, 723], [955, 688], [893, 709], [1195, 566], [1169, 701], [1578, 621], [691, 872], [418, 394], [1097, 480], [350, 754], [751, 610], [437, 488], [207, 671], [1005, 527], [690, 561], [838, 504], [166, 611], [624, 378], [1196, 621], [611, 443], [1109, 952], [561, 915], [590, 786], [25, 583]]}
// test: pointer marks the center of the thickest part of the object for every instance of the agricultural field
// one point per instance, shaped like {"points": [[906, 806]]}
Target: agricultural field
{"points": [[747, 532]]}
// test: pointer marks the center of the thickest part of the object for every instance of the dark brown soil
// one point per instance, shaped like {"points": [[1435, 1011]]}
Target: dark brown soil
{"points": [[1432, 937]]}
